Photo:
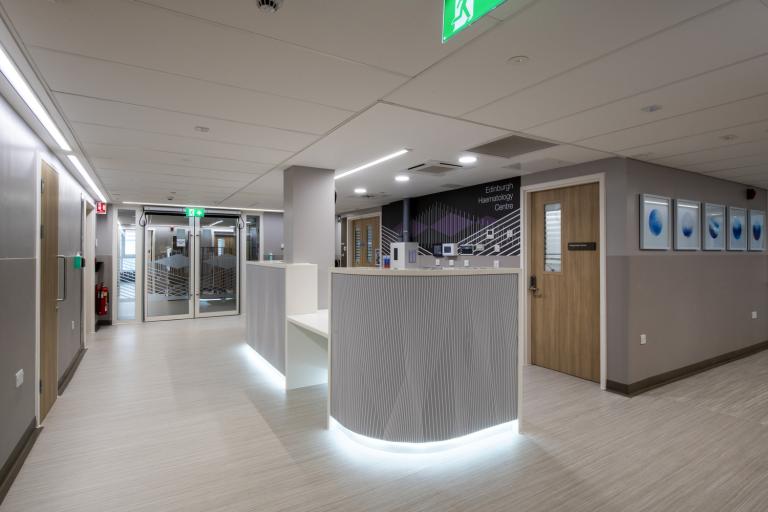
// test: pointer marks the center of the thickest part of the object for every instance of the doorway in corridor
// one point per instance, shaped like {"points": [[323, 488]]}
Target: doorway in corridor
{"points": [[51, 287], [564, 286], [191, 266], [364, 242]]}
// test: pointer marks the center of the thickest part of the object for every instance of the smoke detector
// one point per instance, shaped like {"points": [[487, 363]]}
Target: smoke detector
{"points": [[269, 5]]}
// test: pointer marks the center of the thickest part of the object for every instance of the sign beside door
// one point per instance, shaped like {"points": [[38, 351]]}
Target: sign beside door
{"points": [[460, 14], [195, 212], [101, 208]]}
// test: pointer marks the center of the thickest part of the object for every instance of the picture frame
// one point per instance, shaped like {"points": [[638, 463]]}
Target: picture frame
{"points": [[756, 230], [655, 223], [687, 225], [737, 229], [714, 227]]}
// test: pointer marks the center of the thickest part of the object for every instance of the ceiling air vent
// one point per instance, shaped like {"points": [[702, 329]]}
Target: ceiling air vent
{"points": [[269, 5], [509, 147], [434, 168], [451, 185], [542, 164]]}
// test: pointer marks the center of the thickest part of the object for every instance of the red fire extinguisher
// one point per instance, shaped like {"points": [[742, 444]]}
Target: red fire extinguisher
{"points": [[102, 299]]}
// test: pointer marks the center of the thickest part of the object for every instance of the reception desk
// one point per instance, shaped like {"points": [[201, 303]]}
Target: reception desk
{"points": [[276, 291], [423, 355]]}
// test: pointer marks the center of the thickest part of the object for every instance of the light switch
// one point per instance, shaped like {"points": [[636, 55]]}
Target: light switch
{"points": [[450, 263], [466, 263], [19, 378], [437, 263], [643, 339], [495, 263]]}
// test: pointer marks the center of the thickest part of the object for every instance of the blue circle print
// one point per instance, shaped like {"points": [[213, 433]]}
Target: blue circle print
{"points": [[757, 230], [737, 229], [687, 224], [655, 222], [714, 228]]}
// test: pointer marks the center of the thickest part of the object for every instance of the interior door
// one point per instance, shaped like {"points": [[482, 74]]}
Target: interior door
{"points": [[565, 280], [168, 268], [51, 288], [217, 263], [365, 237]]}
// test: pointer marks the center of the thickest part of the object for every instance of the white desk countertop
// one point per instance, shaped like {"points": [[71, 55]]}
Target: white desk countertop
{"points": [[315, 322]]}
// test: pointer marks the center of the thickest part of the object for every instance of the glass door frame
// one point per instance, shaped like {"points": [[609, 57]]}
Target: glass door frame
{"points": [[198, 264], [191, 239], [116, 261]]}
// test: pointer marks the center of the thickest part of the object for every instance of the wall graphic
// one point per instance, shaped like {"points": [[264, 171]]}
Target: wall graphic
{"points": [[486, 216]]}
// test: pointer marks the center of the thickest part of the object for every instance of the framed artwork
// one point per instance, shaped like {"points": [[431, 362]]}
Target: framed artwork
{"points": [[714, 232], [687, 225], [737, 229], [756, 230], [655, 223]]}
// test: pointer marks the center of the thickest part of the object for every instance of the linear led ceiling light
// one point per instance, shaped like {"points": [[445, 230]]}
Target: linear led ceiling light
{"points": [[371, 164], [87, 177], [21, 86], [177, 205]]}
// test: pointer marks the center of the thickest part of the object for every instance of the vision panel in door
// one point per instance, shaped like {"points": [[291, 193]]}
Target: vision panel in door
{"points": [[218, 266], [168, 269]]}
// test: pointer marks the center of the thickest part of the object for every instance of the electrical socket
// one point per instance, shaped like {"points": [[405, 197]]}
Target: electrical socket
{"points": [[19, 378], [73, 325], [450, 263], [495, 263], [754, 315], [643, 339], [437, 263], [466, 263]]}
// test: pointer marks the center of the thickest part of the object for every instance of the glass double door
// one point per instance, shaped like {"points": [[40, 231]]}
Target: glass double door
{"points": [[191, 266]]}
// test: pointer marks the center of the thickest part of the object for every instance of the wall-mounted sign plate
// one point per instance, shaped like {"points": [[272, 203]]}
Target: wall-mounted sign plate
{"points": [[101, 208], [195, 212], [582, 246], [460, 14]]}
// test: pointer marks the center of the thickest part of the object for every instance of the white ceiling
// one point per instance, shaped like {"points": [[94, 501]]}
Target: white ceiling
{"points": [[337, 83]]}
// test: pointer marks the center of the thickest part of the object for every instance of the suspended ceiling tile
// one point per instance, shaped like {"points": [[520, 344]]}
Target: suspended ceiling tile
{"points": [[684, 51], [105, 80], [136, 34], [557, 35], [193, 146], [399, 35], [153, 120]]}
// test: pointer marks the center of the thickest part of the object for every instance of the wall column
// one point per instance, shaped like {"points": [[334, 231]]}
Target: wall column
{"points": [[308, 201]]}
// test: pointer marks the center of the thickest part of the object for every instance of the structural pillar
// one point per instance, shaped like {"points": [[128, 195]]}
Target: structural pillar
{"points": [[308, 222]]}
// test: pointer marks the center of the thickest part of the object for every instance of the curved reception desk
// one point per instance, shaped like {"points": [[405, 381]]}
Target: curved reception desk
{"points": [[419, 356]]}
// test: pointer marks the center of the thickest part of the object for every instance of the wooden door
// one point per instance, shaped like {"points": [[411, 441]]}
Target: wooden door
{"points": [[365, 235], [565, 280], [49, 289]]}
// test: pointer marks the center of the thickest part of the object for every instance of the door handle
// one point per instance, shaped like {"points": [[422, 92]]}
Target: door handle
{"points": [[533, 286], [62, 261]]}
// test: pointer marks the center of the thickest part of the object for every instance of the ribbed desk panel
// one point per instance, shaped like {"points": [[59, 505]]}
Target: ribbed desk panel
{"points": [[265, 318], [420, 358]]}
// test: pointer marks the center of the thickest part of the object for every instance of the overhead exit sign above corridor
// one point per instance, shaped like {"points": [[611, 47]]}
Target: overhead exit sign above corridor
{"points": [[459, 14]]}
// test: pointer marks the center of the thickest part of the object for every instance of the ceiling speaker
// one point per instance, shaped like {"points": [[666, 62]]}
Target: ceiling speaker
{"points": [[269, 5]]}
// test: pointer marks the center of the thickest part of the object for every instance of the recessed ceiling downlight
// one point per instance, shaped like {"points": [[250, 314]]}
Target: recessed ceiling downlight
{"points": [[518, 59], [651, 108], [402, 178], [468, 159], [360, 191]]}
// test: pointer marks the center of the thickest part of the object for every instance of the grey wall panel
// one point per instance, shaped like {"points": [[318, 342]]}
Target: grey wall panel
{"points": [[692, 308], [70, 243], [17, 350], [418, 359], [18, 189], [265, 313], [273, 235]]}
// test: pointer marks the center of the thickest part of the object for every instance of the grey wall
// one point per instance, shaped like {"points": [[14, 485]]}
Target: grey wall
{"points": [[308, 200], [691, 305], [272, 224], [20, 154]]}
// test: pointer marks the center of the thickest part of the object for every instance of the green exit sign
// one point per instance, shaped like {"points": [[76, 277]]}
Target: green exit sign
{"points": [[459, 14], [195, 212]]}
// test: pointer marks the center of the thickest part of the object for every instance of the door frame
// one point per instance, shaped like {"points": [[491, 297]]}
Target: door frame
{"points": [[139, 281], [349, 231], [525, 222]]}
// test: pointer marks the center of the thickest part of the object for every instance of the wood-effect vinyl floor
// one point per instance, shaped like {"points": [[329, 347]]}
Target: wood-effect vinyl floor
{"points": [[176, 416]]}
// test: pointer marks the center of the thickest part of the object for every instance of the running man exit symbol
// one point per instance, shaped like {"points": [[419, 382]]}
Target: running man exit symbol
{"points": [[460, 14]]}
